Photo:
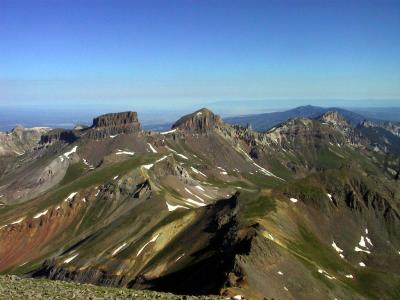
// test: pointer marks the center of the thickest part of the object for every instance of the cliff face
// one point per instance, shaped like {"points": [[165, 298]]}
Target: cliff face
{"points": [[200, 121], [113, 124], [64, 135]]}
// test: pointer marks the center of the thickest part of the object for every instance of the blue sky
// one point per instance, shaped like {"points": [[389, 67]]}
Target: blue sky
{"points": [[155, 55]]}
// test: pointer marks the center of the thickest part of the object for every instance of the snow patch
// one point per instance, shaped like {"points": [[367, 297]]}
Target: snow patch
{"points": [[223, 173], [191, 201], [330, 197], [349, 276], [152, 148], [357, 249], [113, 136], [326, 274], [71, 196], [68, 260], [280, 273], [116, 177], [174, 207], [170, 149], [182, 255], [118, 249], [362, 242], [263, 170], [41, 214], [120, 152], [294, 200], [18, 221], [161, 159], [199, 187], [87, 163], [168, 132], [148, 167], [187, 190], [144, 246], [336, 247], [183, 156], [362, 264], [73, 150], [198, 172]]}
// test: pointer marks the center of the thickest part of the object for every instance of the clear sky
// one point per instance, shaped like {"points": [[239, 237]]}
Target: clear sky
{"points": [[190, 53]]}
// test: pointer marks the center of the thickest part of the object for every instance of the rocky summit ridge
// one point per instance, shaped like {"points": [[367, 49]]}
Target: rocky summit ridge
{"points": [[307, 210]]}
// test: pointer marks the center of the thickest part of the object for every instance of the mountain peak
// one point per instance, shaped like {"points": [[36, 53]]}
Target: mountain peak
{"points": [[116, 119], [202, 120], [115, 123]]}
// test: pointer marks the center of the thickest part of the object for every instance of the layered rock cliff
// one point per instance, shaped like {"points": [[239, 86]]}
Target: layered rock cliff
{"points": [[113, 124]]}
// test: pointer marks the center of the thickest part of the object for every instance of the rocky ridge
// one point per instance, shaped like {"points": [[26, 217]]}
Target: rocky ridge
{"points": [[20, 140]]}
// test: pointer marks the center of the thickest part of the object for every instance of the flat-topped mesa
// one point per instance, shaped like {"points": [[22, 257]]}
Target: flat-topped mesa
{"points": [[113, 124], [200, 121]]}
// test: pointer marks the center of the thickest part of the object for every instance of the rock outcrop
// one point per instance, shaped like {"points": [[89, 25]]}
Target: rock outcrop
{"points": [[113, 124], [20, 140], [336, 120], [63, 135], [200, 121]]}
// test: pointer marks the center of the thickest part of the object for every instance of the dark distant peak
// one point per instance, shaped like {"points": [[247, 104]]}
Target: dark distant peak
{"points": [[200, 121], [116, 119], [307, 109]]}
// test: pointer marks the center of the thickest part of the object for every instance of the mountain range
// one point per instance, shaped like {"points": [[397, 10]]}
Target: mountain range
{"points": [[304, 205], [265, 121]]}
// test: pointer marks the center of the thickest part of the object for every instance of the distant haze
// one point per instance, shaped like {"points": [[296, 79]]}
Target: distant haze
{"points": [[162, 116]]}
